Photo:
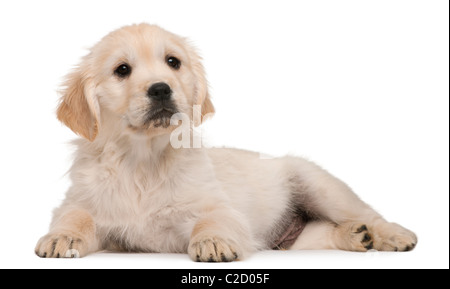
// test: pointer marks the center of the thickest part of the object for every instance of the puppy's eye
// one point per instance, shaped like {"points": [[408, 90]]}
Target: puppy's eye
{"points": [[123, 70], [173, 62]]}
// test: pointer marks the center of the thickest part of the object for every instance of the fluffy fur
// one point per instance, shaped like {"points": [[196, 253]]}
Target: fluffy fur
{"points": [[132, 191]]}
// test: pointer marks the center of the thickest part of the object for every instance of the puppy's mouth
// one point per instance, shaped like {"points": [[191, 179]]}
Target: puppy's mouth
{"points": [[159, 115]]}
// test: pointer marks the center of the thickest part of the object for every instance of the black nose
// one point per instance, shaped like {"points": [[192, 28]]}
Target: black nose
{"points": [[159, 91]]}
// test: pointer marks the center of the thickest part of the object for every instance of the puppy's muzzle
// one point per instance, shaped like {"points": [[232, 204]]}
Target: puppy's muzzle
{"points": [[160, 92], [163, 106]]}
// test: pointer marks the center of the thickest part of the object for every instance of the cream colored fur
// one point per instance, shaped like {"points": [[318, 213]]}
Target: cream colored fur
{"points": [[132, 191]]}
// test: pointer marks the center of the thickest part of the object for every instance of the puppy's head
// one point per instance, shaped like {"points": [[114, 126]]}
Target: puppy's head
{"points": [[135, 79]]}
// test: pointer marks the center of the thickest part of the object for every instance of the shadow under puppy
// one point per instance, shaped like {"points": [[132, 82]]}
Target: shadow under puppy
{"points": [[133, 191]]}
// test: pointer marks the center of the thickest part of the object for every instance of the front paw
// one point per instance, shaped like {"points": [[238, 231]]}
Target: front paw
{"points": [[60, 246], [212, 249], [393, 237]]}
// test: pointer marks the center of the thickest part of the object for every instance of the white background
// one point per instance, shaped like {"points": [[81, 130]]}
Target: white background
{"points": [[360, 87]]}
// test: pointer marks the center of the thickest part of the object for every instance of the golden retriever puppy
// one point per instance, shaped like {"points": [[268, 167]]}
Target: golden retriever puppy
{"points": [[134, 188]]}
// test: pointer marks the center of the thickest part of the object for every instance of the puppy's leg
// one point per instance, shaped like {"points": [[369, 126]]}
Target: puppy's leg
{"points": [[320, 194], [319, 235], [221, 235], [72, 235]]}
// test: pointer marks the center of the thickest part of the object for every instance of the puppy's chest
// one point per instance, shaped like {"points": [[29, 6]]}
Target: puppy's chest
{"points": [[139, 211], [165, 230], [161, 229], [126, 192]]}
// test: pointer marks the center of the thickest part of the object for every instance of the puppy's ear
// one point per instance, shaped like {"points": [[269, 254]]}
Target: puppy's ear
{"points": [[202, 96], [207, 108], [78, 108]]}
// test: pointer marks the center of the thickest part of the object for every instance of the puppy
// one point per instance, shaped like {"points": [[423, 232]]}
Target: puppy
{"points": [[134, 191]]}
